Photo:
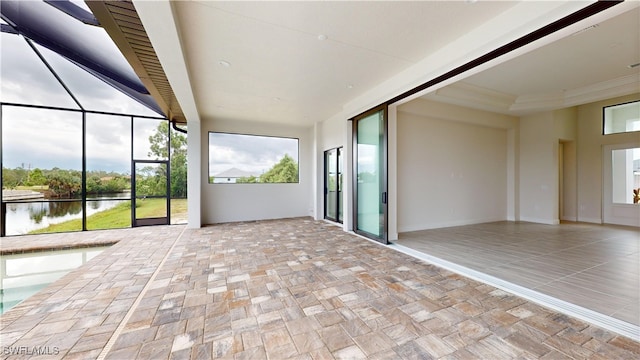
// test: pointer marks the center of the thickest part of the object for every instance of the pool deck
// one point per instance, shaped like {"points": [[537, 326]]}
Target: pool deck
{"points": [[51, 242], [293, 288]]}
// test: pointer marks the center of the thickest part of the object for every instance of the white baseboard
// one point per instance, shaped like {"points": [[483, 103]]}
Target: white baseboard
{"points": [[590, 220], [445, 224], [540, 221], [570, 218]]}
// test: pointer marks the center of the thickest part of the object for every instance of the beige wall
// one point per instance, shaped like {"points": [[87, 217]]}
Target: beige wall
{"points": [[538, 169], [451, 165], [455, 164]]}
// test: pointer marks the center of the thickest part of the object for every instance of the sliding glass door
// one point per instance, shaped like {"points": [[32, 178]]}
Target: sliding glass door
{"points": [[333, 184], [370, 169]]}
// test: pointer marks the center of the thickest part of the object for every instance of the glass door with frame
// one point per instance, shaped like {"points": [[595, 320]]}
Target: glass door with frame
{"points": [[333, 185], [150, 193], [370, 179]]}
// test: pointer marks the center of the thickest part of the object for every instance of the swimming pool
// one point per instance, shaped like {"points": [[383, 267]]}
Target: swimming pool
{"points": [[22, 275]]}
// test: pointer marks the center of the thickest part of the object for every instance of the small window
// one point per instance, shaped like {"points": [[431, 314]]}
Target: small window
{"points": [[249, 159], [622, 118]]}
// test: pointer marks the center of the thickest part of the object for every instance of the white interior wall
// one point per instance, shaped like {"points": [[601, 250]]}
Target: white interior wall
{"points": [[195, 174], [246, 202], [590, 159], [452, 165]]}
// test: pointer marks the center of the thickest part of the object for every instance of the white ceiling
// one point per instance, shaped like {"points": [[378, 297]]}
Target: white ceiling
{"points": [[280, 71], [302, 62], [590, 65]]}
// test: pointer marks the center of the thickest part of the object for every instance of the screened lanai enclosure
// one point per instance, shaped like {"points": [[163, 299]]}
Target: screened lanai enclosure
{"points": [[84, 144]]}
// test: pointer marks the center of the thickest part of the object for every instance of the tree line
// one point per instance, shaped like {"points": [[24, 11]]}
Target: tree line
{"points": [[285, 171], [64, 183]]}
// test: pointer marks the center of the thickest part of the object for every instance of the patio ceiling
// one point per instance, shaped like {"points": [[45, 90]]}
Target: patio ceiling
{"points": [[121, 21], [299, 63], [598, 62]]}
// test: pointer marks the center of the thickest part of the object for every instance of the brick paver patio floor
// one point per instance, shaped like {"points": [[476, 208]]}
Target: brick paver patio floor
{"points": [[293, 288]]}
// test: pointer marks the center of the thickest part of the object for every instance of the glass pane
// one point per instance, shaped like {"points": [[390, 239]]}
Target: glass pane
{"points": [[41, 139], [93, 93], [331, 182], [42, 158], [242, 159], [150, 138], [622, 118], [151, 190], [179, 211], [151, 180], [178, 177], [108, 213], [24, 79], [151, 208], [370, 217], [625, 172], [108, 156], [43, 217]]}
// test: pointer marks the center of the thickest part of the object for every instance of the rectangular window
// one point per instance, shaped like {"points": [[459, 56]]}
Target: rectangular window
{"points": [[243, 159], [622, 118], [625, 176]]}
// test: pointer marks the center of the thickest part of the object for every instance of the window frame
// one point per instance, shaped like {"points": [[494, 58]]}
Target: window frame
{"points": [[604, 118]]}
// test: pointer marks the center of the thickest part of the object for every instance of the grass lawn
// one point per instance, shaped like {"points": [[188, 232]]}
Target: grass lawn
{"points": [[120, 216]]}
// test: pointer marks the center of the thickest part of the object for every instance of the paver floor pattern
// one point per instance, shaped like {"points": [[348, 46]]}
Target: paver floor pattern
{"points": [[293, 288]]}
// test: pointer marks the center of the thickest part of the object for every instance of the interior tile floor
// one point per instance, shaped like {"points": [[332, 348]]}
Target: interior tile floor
{"points": [[285, 289], [593, 266]]}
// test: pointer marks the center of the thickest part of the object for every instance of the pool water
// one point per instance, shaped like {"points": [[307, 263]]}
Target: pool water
{"points": [[22, 275]]}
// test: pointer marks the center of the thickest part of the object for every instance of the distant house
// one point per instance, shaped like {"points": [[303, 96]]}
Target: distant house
{"points": [[230, 176]]}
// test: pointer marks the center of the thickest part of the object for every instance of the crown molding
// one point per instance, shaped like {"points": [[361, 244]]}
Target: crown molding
{"points": [[473, 96], [608, 89], [604, 90]]}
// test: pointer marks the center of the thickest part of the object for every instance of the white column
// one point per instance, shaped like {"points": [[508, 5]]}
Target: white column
{"points": [[194, 173], [317, 175]]}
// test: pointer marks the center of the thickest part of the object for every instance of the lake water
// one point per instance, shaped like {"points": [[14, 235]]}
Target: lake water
{"points": [[21, 218]]}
